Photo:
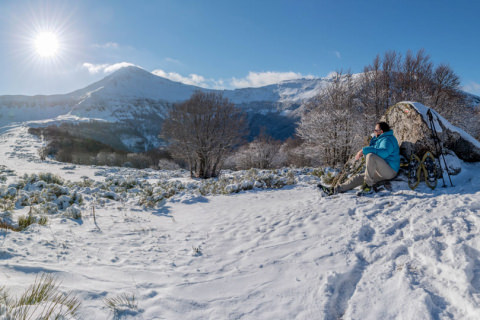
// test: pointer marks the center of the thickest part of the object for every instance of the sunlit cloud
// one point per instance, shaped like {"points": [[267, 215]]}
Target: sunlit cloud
{"points": [[472, 87], [260, 79], [253, 79], [191, 79], [105, 68]]}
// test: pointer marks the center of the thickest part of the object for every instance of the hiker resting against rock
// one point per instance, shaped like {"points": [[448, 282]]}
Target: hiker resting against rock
{"points": [[382, 162]]}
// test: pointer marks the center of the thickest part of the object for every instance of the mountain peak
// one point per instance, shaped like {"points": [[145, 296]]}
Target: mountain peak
{"points": [[130, 71], [132, 82]]}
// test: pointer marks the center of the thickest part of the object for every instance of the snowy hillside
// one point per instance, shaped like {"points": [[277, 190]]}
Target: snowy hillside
{"points": [[131, 90], [204, 251]]}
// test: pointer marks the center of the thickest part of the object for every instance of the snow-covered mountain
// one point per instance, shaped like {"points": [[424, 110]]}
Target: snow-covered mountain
{"points": [[132, 83], [119, 96], [136, 99]]}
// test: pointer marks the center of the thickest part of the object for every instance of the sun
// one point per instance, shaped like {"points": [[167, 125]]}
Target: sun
{"points": [[46, 44]]}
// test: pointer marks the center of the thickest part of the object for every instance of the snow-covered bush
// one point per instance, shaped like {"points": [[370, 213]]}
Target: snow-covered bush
{"points": [[8, 192], [149, 188], [110, 195], [23, 199], [151, 197], [46, 193], [86, 182], [51, 178], [73, 212], [25, 221], [7, 204], [126, 182], [47, 208], [231, 182], [63, 202]]}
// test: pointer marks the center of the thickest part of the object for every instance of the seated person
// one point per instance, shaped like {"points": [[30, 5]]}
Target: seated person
{"points": [[382, 162]]}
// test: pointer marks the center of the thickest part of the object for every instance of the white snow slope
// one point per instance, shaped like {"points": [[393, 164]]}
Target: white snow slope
{"points": [[284, 253]]}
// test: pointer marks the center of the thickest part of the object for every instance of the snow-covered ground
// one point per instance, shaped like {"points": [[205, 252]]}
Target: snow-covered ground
{"points": [[262, 253]]}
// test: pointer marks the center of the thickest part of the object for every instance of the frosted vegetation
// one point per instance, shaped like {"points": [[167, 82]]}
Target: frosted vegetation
{"points": [[48, 194]]}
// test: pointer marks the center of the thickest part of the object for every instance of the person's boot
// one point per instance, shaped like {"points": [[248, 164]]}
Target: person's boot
{"points": [[328, 191], [366, 189], [382, 185]]}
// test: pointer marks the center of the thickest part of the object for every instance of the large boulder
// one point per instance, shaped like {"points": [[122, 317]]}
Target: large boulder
{"points": [[411, 126]]}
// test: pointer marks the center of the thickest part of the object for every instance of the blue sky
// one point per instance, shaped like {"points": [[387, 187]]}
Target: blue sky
{"points": [[227, 44]]}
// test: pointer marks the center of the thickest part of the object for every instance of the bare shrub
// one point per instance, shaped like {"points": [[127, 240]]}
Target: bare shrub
{"points": [[261, 153]]}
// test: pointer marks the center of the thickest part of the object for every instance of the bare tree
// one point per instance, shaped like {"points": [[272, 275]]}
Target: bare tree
{"points": [[390, 68], [372, 92], [331, 126], [202, 130], [392, 79], [378, 87], [445, 84], [415, 76]]}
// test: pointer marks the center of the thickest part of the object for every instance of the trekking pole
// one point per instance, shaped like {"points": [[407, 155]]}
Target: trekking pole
{"points": [[438, 146]]}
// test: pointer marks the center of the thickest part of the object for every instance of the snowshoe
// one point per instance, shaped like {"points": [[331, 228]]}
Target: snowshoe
{"points": [[414, 171], [429, 170]]}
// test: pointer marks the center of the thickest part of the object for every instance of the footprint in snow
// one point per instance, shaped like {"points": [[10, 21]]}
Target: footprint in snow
{"points": [[366, 233]]}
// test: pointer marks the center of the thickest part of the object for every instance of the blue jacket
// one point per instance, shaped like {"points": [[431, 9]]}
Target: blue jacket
{"points": [[386, 147]]}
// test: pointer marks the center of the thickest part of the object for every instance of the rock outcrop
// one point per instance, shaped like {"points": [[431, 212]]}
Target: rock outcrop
{"points": [[411, 126]]}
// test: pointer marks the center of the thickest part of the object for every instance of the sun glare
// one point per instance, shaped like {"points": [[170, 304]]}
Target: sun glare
{"points": [[46, 44]]}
